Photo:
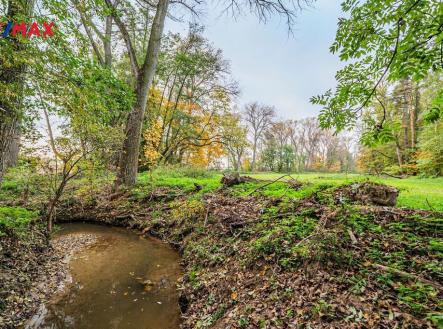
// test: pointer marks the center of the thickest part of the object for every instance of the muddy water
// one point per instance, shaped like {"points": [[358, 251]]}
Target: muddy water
{"points": [[122, 281]]}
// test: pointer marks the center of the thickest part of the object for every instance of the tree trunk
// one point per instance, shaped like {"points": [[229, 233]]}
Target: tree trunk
{"points": [[107, 41], [12, 77], [413, 116], [406, 113], [399, 157], [14, 149], [254, 154], [239, 156], [128, 164]]}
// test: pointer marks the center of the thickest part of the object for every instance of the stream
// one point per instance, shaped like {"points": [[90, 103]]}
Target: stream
{"points": [[121, 281]]}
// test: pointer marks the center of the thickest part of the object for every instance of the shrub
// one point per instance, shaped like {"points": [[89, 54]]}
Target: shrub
{"points": [[14, 220]]}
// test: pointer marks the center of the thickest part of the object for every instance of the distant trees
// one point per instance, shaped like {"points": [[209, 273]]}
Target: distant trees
{"points": [[407, 141], [234, 139], [395, 41], [189, 102], [290, 145], [259, 118], [143, 62]]}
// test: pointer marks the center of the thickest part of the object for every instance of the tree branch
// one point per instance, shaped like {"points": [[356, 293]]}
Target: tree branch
{"points": [[127, 39]]}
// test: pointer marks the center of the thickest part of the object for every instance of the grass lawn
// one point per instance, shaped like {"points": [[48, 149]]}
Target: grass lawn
{"points": [[415, 193], [413, 190]]}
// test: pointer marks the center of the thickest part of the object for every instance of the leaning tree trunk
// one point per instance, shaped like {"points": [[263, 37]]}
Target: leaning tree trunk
{"points": [[128, 163], [12, 76]]}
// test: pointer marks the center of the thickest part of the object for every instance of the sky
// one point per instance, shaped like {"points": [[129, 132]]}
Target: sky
{"points": [[272, 66]]}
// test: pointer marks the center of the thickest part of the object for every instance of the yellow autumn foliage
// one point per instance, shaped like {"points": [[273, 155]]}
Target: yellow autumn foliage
{"points": [[152, 137]]}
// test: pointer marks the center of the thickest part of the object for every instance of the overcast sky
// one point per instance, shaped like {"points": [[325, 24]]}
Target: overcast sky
{"points": [[273, 67]]}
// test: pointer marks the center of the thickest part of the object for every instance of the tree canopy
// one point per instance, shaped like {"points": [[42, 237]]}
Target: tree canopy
{"points": [[381, 41]]}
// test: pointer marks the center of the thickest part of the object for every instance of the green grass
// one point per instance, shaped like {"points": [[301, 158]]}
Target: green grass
{"points": [[182, 179], [415, 192], [15, 219]]}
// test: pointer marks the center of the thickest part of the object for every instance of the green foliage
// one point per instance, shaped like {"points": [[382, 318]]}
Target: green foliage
{"points": [[175, 178], [190, 172], [279, 239], [416, 296], [321, 308], [436, 318], [379, 136], [435, 112], [380, 40], [188, 210], [430, 158], [415, 192], [14, 220]]}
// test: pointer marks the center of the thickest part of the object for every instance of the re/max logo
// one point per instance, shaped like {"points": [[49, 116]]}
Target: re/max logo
{"points": [[12, 29]]}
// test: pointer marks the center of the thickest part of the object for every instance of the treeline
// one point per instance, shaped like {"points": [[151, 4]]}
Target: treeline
{"points": [[110, 73], [408, 135], [128, 103], [292, 145]]}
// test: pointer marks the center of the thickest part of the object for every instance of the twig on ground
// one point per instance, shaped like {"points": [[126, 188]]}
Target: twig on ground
{"points": [[352, 236], [206, 217], [429, 205], [408, 275], [267, 184], [393, 176]]}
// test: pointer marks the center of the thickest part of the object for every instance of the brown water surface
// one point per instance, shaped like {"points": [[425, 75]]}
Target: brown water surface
{"points": [[122, 281]]}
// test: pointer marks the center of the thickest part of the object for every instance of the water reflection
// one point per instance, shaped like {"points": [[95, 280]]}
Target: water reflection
{"points": [[122, 281]]}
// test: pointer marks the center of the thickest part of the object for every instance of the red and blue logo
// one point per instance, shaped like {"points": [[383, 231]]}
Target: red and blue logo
{"points": [[45, 30]]}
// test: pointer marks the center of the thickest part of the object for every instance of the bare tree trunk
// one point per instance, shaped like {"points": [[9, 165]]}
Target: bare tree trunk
{"points": [[406, 112], [12, 76], [107, 41], [8, 128], [399, 156], [413, 116], [128, 164], [14, 149], [239, 156], [254, 154]]}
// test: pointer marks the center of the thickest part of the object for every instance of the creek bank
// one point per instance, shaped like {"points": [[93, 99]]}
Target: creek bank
{"points": [[122, 280], [257, 261], [32, 271]]}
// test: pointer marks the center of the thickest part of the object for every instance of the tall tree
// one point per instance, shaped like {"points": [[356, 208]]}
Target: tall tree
{"points": [[143, 74], [193, 88], [12, 70], [259, 118], [104, 53], [234, 139]]}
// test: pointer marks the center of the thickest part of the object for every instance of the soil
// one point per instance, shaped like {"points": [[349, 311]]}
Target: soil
{"points": [[334, 284], [32, 271], [249, 262]]}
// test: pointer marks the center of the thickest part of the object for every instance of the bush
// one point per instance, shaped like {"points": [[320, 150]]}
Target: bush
{"points": [[194, 172], [430, 156], [14, 220]]}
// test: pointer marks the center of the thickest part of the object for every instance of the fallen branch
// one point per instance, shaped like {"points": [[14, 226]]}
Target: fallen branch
{"points": [[408, 275], [390, 175], [206, 217], [429, 205], [352, 236], [267, 184], [305, 239]]}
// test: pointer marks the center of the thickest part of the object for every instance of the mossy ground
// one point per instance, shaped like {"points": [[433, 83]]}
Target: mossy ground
{"points": [[415, 192], [279, 257]]}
